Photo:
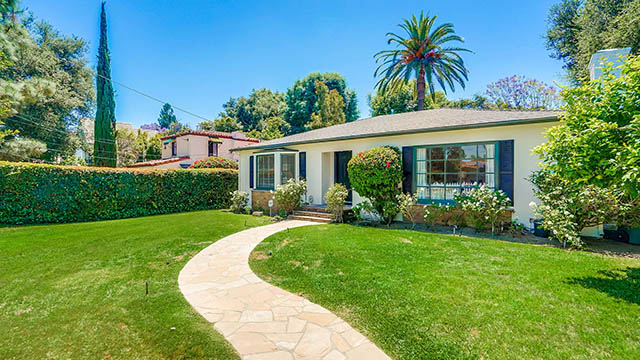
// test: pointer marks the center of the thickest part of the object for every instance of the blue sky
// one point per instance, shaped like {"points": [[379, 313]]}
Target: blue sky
{"points": [[199, 54]]}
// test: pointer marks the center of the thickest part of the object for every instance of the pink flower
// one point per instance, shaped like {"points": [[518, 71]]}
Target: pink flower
{"points": [[388, 164]]}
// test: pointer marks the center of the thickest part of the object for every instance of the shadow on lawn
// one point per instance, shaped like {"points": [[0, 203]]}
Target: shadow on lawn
{"points": [[622, 283]]}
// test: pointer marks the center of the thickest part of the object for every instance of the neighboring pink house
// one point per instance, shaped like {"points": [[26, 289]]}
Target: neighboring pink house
{"points": [[183, 149]]}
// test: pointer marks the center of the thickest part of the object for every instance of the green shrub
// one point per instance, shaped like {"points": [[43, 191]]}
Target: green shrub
{"points": [[485, 206], [335, 198], [433, 214], [376, 174], [239, 201], [39, 193], [214, 162], [288, 196], [405, 204]]}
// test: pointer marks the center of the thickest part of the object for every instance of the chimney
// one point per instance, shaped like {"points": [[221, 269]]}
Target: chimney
{"points": [[598, 60]]}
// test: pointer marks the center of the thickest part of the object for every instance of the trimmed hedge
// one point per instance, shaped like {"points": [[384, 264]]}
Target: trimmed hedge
{"points": [[39, 193], [214, 162]]}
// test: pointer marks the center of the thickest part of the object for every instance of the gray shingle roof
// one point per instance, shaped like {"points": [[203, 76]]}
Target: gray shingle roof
{"points": [[411, 122]]}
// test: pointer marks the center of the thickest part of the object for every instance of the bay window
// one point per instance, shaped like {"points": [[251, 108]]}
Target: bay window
{"points": [[443, 171], [275, 168]]}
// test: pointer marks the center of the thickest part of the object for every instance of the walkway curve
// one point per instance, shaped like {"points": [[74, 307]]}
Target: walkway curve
{"points": [[261, 321]]}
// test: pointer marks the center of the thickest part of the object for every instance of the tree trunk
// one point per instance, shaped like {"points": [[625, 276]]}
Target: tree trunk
{"points": [[420, 84]]}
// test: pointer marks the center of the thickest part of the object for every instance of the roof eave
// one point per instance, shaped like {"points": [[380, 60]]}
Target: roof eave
{"points": [[404, 132]]}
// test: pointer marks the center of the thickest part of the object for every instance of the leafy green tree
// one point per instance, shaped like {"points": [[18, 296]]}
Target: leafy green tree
{"points": [[477, 102], [402, 99], [593, 158], [578, 28], [166, 117], [302, 99], [46, 85], [271, 128], [105, 125], [22, 149], [148, 147], [128, 151], [425, 54], [330, 107], [258, 106], [176, 128], [223, 123], [399, 99]]}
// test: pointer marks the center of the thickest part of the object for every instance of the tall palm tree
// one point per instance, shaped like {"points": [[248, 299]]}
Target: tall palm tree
{"points": [[423, 54]]}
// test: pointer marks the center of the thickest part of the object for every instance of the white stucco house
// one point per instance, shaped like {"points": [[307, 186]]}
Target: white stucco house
{"points": [[444, 151], [181, 150]]}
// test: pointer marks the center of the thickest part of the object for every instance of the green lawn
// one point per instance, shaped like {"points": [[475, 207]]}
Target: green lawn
{"points": [[77, 291], [430, 296]]}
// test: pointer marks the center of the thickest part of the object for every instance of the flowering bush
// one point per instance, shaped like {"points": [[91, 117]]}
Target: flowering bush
{"points": [[406, 204], [376, 174], [239, 201], [335, 198], [433, 213], [484, 205], [288, 196], [214, 162], [568, 207], [593, 156]]}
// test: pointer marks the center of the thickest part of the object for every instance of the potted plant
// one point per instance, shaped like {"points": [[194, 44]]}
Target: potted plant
{"points": [[538, 229]]}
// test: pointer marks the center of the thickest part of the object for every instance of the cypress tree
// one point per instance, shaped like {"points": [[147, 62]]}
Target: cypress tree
{"points": [[104, 145]]}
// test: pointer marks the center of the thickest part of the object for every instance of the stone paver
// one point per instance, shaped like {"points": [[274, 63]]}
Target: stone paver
{"points": [[261, 321]]}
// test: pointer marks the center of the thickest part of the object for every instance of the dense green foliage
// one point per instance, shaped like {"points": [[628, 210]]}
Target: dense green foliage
{"points": [[223, 123], [335, 199], [434, 296], [596, 150], [485, 206], [166, 117], [271, 128], [330, 108], [77, 291], [579, 28], [376, 175], [425, 54], [252, 111], [215, 162], [38, 193], [104, 143], [46, 83], [22, 149], [302, 99], [402, 98], [289, 195]]}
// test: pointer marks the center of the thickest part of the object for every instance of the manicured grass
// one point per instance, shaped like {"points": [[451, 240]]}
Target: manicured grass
{"points": [[433, 296], [77, 291]]}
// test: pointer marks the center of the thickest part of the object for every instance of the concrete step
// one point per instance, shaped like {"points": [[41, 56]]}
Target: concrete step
{"points": [[314, 209], [312, 214], [310, 218]]}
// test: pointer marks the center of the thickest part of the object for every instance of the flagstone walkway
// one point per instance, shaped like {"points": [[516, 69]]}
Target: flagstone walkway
{"points": [[261, 321]]}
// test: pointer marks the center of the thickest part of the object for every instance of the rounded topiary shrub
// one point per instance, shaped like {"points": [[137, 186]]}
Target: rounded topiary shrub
{"points": [[376, 174], [214, 162]]}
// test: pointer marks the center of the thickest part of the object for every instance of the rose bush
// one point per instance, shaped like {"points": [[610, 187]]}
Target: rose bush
{"points": [[485, 205], [376, 175]]}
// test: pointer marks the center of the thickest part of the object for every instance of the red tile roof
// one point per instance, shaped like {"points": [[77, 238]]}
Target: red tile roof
{"points": [[220, 134], [158, 162]]}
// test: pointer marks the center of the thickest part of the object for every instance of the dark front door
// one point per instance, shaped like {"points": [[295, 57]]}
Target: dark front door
{"points": [[341, 176]]}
